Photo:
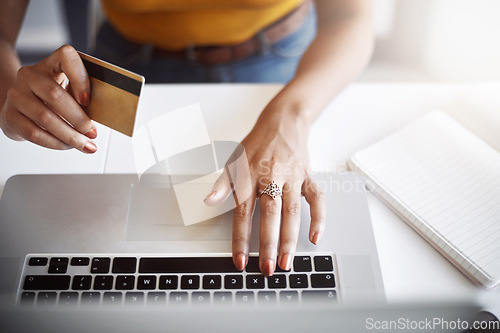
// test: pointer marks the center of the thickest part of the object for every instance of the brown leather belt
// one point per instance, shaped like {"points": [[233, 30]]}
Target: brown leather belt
{"points": [[215, 55]]}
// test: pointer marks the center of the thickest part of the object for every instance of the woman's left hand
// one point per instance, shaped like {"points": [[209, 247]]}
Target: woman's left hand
{"points": [[274, 151]]}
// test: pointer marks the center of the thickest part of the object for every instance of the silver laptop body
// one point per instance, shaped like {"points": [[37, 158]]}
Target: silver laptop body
{"points": [[97, 214]]}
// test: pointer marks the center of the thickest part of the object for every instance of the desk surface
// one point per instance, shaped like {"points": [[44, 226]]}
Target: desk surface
{"points": [[362, 114]]}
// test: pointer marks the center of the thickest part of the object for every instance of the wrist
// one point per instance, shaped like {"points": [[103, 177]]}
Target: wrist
{"points": [[296, 102], [285, 122], [288, 112], [286, 118]]}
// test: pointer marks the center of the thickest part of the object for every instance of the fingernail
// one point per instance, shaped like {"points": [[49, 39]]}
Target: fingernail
{"points": [[210, 195], [90, 148], [240, 261], [85, 99], [268, 268], [286, 262], [92, 134], [315, 238]]}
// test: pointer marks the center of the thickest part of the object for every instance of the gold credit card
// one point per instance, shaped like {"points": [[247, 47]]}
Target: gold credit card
{"points": [[114, 94]]}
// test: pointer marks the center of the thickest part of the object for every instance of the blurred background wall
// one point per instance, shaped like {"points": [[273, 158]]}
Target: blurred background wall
{"points": [[416, 40]]}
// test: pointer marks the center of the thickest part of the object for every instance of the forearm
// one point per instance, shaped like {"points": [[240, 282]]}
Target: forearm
{"points": [[340, 51], [11, 18], [9, 64]]}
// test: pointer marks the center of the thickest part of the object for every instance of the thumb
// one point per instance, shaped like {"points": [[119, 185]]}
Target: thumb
{"points": [[221, 190]]}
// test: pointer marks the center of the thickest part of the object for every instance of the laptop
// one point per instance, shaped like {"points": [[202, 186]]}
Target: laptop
{"points": [[74, 233], [44, 218]]}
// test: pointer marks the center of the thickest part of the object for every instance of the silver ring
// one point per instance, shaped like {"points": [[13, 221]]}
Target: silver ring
{"points": [[272, 190]]}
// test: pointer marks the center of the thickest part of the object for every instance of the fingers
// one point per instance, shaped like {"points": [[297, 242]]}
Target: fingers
{"points": [[238, 173], [51, 127], [317, 202], [290, 226], [242, 223], [61, 102], [280, 217], [270, 217], [35, 134], [235, 177], [45, 86], [66, 60], [39, 108]]}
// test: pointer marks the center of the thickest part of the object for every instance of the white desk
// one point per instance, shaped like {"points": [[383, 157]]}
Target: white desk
{"points": [[362, 114]]}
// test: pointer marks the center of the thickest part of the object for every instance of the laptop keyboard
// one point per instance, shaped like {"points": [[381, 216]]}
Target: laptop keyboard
{"points": [[191, 280]]}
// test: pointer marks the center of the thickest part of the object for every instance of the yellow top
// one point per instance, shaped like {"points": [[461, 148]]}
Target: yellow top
{"points": [[176, 24]]}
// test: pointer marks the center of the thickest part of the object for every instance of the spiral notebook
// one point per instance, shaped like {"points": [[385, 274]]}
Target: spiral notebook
{"points": [[444, 181]]}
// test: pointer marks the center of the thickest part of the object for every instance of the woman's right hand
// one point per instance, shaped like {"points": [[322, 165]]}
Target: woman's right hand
{"points": [[40, 109]]}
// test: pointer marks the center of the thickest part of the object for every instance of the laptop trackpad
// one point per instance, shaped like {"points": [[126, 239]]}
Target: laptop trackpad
{"points": [[357, 273], [154, 215]]}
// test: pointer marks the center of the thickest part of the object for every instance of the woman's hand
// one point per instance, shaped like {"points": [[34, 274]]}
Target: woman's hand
{"points": [[40, 109], [276, 150]]}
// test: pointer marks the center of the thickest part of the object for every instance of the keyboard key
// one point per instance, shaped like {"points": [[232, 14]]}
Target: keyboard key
{"points": [[276, 281], [82, 282], [27, 298], [200, 298], [168, 282], [112, 298], [157, 298], [125, 282], [146, 282], [178, 298], [47, 282], [212, 282], [233, 281], [58, 265], [223, 298], [59, 260], [61, 269], [103, 282], [255, 281], [187, 265], [134, 298], [68, 298], [289, 297], [38, 261], [319, 296], [124, 265], [298, 281], [190, 282], [100, 265], [80, 261], [323, 263], [90, 298], [302, 264], [244, 297], [266, 297], [322, 281], [280, 270], [46, 298], [253, 265]]}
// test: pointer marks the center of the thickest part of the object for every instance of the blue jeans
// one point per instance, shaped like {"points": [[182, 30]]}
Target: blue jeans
{"points": [[276, 64]]}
